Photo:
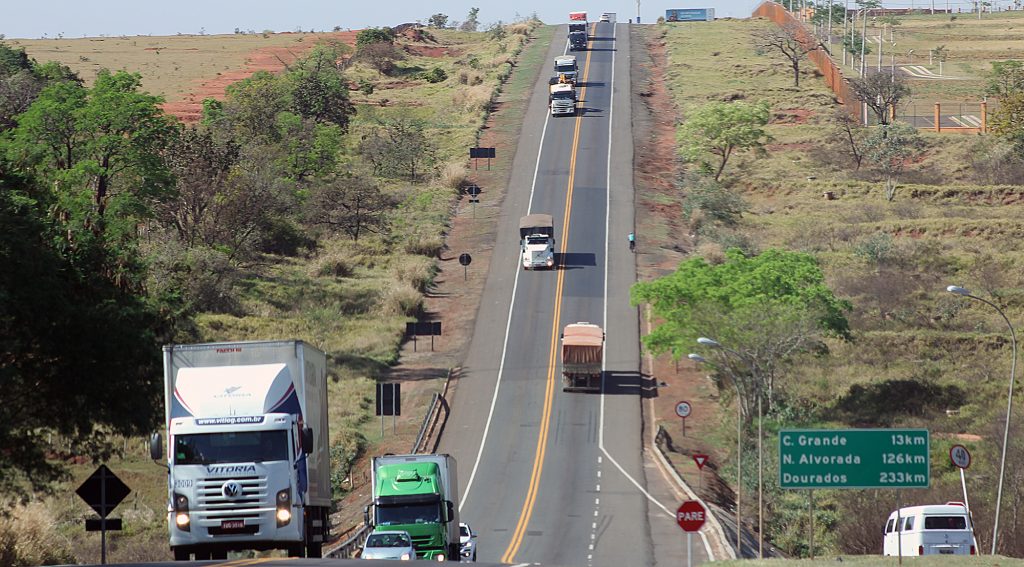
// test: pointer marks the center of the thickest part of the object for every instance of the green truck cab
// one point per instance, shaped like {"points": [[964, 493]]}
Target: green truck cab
{"points": [[417, 494]]}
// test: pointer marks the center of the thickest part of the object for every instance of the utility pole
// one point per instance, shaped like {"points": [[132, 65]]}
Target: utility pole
{"points": [[863, 43], [638, 11]]}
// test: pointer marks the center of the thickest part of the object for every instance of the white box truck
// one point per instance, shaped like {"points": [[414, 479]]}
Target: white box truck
{"points": [[418, 494], [247, 448], [537, 241]]}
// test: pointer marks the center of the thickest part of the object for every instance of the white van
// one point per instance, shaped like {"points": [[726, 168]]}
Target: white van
{"points": [[930, 530]]}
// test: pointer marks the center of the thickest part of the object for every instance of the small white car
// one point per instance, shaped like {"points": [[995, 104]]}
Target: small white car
{"points": [[467, 544], [605, 18], [389, 545]]}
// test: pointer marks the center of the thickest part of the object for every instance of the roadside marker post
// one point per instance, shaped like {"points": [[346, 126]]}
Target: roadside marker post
{"points": [[683, 410], [701, 460]]}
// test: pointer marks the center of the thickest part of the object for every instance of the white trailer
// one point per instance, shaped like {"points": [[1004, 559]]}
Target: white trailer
{"points": [[247, 448]]}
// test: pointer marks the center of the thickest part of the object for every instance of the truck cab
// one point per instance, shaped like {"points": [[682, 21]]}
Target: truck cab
{"points": [[565, 65], [537, 241], [578, 40], [562, 99], [415, 494]]}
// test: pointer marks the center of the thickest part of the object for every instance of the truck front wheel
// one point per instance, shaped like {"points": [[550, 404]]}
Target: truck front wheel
{"points": [[314, 551], [181, 554]]}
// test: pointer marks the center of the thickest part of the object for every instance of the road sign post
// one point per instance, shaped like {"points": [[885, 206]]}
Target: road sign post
{"points": [[854, 458], [701, 460], [465, 260], [690, 516], [961, 459], [683, 410], [103, 491]]}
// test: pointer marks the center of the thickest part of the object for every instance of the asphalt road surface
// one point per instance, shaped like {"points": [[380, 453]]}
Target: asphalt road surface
{"points": [[553, 477]]}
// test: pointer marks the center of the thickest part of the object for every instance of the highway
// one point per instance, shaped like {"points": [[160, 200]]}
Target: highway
{"points": [[548, 476]]}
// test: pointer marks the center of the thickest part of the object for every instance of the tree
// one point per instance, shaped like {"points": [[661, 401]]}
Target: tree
{"points": [[374, 35], [772, 305], [881, 92], [892, 22], [722, 128], [791, 40], [438, 21], [472, 23], [889, 148], [380, 56], [397, 147], [319, 90], [1007, 121], [79, 351], [201, 166], [854, 45], [850, 131], [252, 105], [352, 204], [1007, 78], [311, 149]]}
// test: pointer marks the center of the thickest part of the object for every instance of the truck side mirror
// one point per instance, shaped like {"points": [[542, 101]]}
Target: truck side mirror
{"points": [[451, 511], [156, 447], [307, 439], [366, 514]]}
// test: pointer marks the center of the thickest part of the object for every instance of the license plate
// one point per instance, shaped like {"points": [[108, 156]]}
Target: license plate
{"points": [[946, 552], [232, 524]]}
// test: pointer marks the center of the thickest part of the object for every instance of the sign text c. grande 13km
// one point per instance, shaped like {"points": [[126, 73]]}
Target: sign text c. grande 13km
{"points": [[854, 458]]}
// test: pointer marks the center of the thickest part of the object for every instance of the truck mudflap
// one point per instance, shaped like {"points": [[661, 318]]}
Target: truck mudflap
{"points": [[581, 382]]}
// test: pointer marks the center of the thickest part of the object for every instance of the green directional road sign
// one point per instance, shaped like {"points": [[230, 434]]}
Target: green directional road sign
{"points": [[853, 458]]}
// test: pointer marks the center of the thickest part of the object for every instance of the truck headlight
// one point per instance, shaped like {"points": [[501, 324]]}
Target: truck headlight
{"points": [[181, 517], [551, 261], [439, 557], [284, 507]]}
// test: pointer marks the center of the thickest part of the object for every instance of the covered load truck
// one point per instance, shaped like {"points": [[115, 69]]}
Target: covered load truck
{"points": [[566, 70], [582, 357], [537, 241], [247, 460], [417, 494]]}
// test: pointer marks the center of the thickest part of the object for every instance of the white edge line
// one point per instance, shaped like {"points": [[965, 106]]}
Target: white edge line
{"points": [[511, 308], [607, 226]]}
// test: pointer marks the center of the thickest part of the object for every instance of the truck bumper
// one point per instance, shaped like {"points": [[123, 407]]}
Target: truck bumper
{"points": [[259, 532], [581, 383]]}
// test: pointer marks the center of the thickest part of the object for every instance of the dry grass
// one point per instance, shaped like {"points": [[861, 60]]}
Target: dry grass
{"points": [[453, 175], [171, 66], [29, 536]]}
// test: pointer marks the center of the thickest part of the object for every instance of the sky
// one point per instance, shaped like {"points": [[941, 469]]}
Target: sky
{"points": [[77, 18]]}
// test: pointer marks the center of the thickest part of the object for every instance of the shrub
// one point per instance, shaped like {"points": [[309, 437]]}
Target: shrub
{"points": [[453, 175], [346, 448], [334, 264], [435, 75], [877, 249], [519, 29], [29, 536], [374, 35], [424, 245], [403, 300], [417, 271], [365, 87]]}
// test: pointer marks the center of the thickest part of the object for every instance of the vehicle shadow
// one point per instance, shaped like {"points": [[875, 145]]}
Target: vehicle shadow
{"points": [[575, 260], [629, 383]]}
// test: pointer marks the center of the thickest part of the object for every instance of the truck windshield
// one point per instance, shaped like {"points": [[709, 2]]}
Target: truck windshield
{"points": [[537, 239], [565, 68], [230, 447], [408, 514], [561, 96]]}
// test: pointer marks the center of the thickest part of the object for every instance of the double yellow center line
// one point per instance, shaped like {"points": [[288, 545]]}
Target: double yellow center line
{"points": [[549, 392]]}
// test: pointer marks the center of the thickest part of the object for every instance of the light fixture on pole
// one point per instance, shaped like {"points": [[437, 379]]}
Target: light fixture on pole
{"points": [[1009, 401], [760, 460], [739, 449]]}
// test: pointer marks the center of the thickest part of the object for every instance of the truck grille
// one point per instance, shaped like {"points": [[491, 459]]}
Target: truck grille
{"points": [[211, 498]]}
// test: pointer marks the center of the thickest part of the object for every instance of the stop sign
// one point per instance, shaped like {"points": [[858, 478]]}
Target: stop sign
{"points": [[690, 516]]}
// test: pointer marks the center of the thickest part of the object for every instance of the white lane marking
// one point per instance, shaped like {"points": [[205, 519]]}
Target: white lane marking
{"points": [[511, 308], [593, 526], [598, 474], [607, 227]]}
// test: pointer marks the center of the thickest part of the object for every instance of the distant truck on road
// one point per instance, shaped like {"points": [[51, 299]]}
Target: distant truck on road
{"points": [[582, 357], [565, 66], [247, 461], [537, 241], [562, 99], [418, 494], [578, 38]]}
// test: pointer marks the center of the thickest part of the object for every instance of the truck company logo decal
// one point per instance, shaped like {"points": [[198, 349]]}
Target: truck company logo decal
{"points": [[231, 489], [230, 420], [231, 469]]}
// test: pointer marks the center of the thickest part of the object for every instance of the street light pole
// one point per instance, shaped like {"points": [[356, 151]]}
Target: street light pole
{"points": [[739, 454], [760, 459], [1009, 402]]}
